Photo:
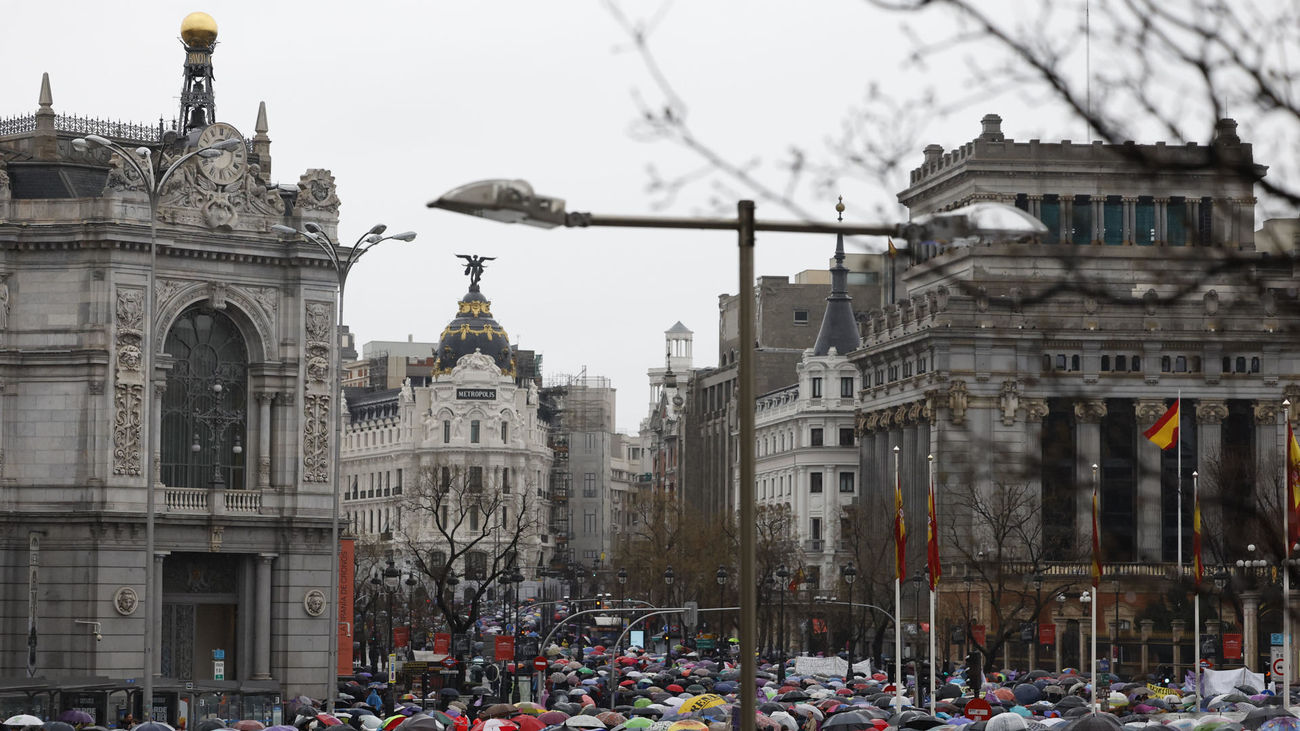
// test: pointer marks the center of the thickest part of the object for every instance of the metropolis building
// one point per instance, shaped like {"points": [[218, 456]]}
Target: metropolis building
{"points": [[240, 409], [1028, 363]]}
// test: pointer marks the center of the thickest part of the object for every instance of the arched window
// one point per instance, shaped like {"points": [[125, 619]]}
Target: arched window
{"points": [[205, 405], [1105, 362], [476, 566]]}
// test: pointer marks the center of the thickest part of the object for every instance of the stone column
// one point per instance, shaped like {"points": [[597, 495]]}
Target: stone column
{"points": [[1035, 411], [1178, 628], [1035, 205], [1210, 414], [1098, 205], [1162, 221], [264, 429], [262, 618], [1067, 219], [1268, 441], [1129, 221], [155, 437], [1146, 626], [1250, 628], [156, 599], [1085, 640], [1148, 504], [1087, 418], [284, 470]]}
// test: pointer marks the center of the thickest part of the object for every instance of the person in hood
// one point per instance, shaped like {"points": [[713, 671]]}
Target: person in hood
{"points": [[374, 701]]}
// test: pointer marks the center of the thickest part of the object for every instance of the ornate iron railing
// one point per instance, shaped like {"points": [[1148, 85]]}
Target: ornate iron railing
{"points": [[125, 131]]}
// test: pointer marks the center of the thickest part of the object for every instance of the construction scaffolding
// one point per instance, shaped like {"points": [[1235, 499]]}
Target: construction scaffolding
{"points": [[570, 404]]}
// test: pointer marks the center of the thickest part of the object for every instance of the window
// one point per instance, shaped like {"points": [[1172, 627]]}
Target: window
{"points": [[1081, 221], [846, 436], [505, 431], [814, 482], [505, 481], [1074, 362], [1047, 362], [1135, 364], [1060, 362], [476, 566], [398, 490], [1113, 220], [589, 522], [446, 431], [1254, 365], [816, 387], [1105, 362], [473, 519], [920, 366], [1176, 221], [437, 558], [1205, 223], [846, 482], [1165, 364], [1180, 364], [1241, 364], [1050, 214], [1121, 363], [474, 431], [815, 437], [801, 317], [475, 479], [589, 484], [1144, 215], [444, 483], [846, 387], [815, 529]]}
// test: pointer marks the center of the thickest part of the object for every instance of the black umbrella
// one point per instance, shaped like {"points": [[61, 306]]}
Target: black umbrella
{"points": [[923, 722], [1076, 712], [209, 724], [1094, 722], [849, 720], [949, 690], [421, 722], [1257, 717]]}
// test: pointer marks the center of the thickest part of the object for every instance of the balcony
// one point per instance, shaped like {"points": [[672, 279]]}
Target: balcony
{"points": [[208, 501], [815, 545]]}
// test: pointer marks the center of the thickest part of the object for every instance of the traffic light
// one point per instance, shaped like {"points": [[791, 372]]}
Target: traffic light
{"points": [[692, 614]]}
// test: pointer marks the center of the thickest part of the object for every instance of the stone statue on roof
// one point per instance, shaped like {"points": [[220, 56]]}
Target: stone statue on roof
{"points": [[474, 267]]}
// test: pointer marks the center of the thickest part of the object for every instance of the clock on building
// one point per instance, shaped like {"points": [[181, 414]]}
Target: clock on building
{"points": [[231, 164]]}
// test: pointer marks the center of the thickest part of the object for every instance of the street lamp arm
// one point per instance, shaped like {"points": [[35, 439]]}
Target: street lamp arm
{"points": [[860, 604]]}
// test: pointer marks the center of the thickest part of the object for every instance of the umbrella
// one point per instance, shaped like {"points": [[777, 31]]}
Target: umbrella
{"points": [[1278, 723], [58, 726], [688, 725], [1096, 722], [582, 721], [553, 718], [23, 719], [76, 715], [498, 710], [421, 722], [1256, 718], [527, 722], [849, 720]]}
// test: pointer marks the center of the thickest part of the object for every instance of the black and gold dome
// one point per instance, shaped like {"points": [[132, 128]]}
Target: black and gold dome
{"points": [[473, 329]]}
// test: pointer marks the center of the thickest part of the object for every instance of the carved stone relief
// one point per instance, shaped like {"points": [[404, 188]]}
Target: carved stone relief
{"points": [[128, 387], [958, 402], [316, 192], [1009, 401], [1266, 412], [320, 316], [1090, 412], [315, 437], [1036, 409], [1211, 411]]}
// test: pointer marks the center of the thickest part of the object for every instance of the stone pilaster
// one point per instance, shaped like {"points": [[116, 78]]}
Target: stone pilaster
{"points": [[264, 429], [262, 618], [1250, 628], [1148, 505], [1087, 415]]}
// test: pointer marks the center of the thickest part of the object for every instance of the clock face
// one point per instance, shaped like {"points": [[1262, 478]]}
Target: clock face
{"points": [[231, 164]]}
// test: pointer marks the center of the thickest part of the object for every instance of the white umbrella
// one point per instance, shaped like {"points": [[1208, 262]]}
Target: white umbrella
{"points": [[584, 721], [23, 719]]}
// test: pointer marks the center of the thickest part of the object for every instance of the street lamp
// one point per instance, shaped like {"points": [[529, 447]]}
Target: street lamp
{"points": [[341, 260], [513, 201], [1036, 581], [154, 179], [410, 610], [669, 576], [1086, 600], [391, 579], [850, 574], [721, 576], [782, 573]]}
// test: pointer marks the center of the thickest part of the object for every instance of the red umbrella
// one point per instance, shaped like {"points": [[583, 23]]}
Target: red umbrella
{"points": [[527, 722], [674, 688], [248, 725]]}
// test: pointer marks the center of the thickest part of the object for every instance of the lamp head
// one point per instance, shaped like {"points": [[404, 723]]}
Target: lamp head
{"points": [[404, 236], [507, 201], [313, 228]]}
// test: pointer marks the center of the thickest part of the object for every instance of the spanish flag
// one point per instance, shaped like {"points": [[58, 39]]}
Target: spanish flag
{"points": [[900, 530], [1292, 485], [1164, 433], [1198, 568], [1096, 540], [932, 542], [893, 250], [796, 580]]}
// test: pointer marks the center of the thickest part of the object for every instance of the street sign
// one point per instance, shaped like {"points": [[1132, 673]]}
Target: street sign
{"points": [[978, 709], [1275, 639], [442, 643], [1232, 646], [392, 668], [1278, 666], [1103, 665], [540, 664], [449, 662], [218, 669]]}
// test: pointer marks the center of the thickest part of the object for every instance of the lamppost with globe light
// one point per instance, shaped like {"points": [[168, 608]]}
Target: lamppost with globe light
{"points": [[721, 576], [1086, 599], [154, 178], [341, 259], [669, 576], [850, 574], [513, 201], [392, 577]]}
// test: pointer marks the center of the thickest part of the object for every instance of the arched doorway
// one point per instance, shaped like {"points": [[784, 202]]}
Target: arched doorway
{"points": [[205, 406]]}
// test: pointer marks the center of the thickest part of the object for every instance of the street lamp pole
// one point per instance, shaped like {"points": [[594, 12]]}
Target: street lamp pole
{"points": [[850, 574], [513, 201], [782, 573], [669, 576], [721, 576], [142, 161], [341, 260], [391, 578]]}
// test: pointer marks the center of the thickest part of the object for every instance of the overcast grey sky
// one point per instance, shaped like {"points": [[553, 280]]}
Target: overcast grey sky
{"points": [[406, 100]]}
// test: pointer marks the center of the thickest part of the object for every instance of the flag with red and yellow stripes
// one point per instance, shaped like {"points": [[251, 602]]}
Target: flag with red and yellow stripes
{"points": [[932, 542], [1198, 568], [1096, 540], [1164, 433], [1292, 485], [900, 530]]}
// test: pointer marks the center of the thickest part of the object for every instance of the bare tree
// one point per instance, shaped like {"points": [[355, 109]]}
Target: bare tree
{"points": [[453, 518]]}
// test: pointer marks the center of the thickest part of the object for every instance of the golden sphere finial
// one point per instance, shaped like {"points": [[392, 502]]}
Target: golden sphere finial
{"points": [[198, 29], [839, 209]]}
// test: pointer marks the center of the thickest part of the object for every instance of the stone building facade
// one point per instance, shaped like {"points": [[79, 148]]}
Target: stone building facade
{"points": [[1028, 363], [240, 407]]}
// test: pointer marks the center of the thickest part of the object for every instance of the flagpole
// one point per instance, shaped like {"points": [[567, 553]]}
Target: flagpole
{"points": [[1178, 444], [933, 584], [1196, 593], [1287, 504], [900, 682], [1095, 684]]}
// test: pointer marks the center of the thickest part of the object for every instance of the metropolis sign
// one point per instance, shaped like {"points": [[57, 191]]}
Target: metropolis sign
{"points": [[476, 394]]}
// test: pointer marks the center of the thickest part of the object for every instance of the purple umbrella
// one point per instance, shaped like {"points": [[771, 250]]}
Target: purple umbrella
{"points": [[74, 715]]}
